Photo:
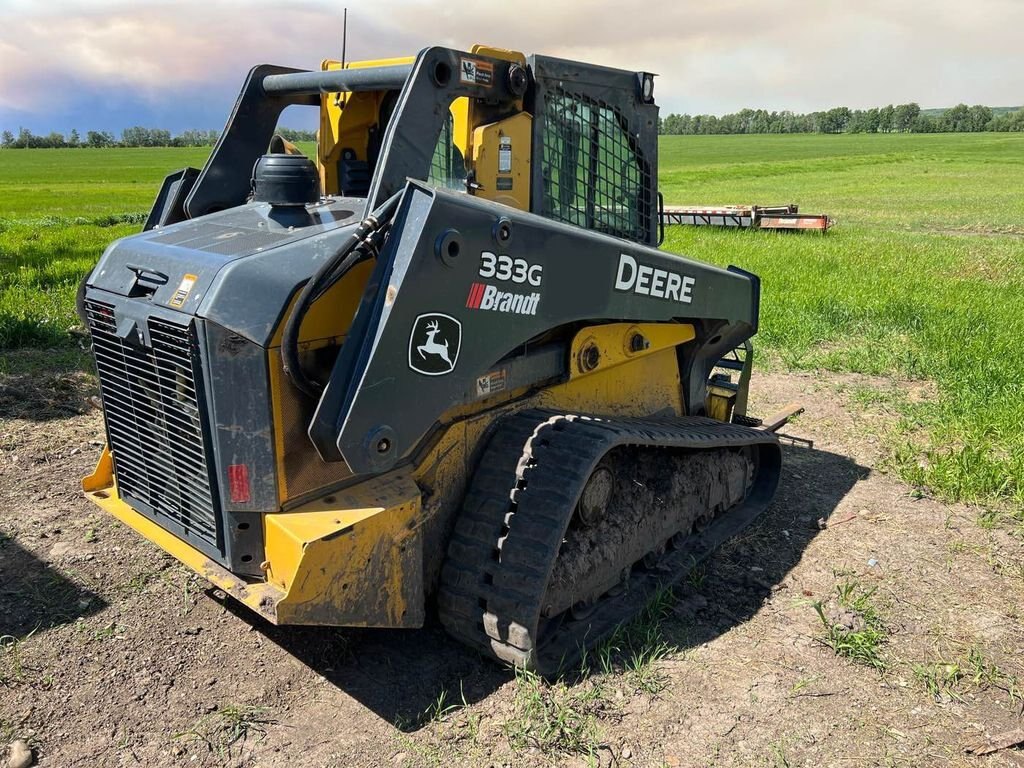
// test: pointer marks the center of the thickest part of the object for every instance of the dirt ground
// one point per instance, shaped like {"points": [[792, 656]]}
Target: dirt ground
{"points": [[115, 655]]}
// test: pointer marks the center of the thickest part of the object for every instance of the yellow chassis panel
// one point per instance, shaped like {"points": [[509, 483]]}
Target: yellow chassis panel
{"points": [[355, 557], [350, 559], [101, 489]]}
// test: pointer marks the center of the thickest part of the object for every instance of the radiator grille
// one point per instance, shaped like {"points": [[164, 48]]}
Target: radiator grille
{"points": [[155, 423]]}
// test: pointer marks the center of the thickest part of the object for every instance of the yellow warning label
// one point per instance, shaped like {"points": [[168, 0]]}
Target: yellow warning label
{"points": [[184, 289]]}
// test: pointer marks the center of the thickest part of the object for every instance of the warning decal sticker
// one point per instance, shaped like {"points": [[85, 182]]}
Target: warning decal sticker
{"points": [[491, 383], [184, 289], [476, 72]]}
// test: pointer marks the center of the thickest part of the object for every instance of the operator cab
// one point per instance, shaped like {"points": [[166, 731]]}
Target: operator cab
{"points": [[573, 142]]}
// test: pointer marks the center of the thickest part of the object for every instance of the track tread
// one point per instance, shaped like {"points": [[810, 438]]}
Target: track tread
{"points": [[520, 501]]}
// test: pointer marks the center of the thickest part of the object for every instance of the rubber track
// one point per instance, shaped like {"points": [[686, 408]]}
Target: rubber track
{"points": [[518, 507]]}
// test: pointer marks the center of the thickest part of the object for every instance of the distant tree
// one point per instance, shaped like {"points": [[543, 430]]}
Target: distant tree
{"points": [[834, 120], [957, 118], [886, 118], [137, 136], [1011, 121], [979, 117], [293, 134], [905, 116], [671, 124], [871, 120], [856, 122], [925, 124], [99, 139]]}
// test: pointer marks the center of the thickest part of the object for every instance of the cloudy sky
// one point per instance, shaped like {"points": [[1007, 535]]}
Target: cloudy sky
{"points": [[109, 64]]}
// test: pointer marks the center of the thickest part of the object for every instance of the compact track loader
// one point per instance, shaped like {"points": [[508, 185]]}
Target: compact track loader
{"points": [[444, 367]]}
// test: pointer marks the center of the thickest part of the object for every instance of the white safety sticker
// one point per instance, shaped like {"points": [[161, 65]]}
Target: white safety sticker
{"points": [[491, 383], [505, 154]]}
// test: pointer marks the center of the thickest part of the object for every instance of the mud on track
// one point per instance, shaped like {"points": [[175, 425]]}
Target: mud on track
{"points": [[118, 656]]}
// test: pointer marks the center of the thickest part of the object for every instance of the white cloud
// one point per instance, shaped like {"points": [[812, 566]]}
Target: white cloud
{"points": [[712, 57]]}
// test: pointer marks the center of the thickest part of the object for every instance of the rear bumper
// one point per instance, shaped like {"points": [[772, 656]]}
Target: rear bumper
{"points": [[354, 558], [101, 489]]}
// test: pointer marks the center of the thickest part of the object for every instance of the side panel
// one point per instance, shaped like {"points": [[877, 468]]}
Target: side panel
{"points": [[437, 321], [237, 381], [243, 443], [501, 161], [352, 123]]}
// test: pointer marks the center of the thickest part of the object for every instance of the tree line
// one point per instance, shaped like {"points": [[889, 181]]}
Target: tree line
{"points": [[130, 137], [901, 118]]}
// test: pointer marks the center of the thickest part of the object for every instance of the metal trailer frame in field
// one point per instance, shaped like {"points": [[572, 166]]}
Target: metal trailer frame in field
{"points": [[786, 217]]}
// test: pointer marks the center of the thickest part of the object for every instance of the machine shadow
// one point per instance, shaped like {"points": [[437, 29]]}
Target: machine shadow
{"points": [[36, 596], [404, 676], [732, 586], [43, 388]]}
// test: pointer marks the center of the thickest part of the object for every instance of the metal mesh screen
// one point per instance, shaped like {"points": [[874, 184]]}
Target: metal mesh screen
{"points": [[593, 176], [447, 166], [151, 402]]}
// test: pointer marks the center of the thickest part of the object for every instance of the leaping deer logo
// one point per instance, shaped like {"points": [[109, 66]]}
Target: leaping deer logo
{"points": [[435, 340], [432, 347]]}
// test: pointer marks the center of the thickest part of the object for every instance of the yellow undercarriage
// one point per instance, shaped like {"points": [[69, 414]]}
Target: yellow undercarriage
{"points": [[322, 560], [359, 556]]}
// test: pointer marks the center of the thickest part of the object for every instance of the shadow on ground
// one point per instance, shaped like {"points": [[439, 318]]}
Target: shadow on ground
{"points": [[46, 384], [35, 596], [402, 674]]}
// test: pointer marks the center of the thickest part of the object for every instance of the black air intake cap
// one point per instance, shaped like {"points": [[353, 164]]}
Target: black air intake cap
{"points": [[285, 180]]}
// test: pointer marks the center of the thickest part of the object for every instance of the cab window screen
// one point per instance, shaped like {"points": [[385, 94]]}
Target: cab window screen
{"points": [[593, 176], [447, 166]]}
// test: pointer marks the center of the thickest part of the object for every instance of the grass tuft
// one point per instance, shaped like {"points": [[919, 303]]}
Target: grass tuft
{"points": [[225, 729], [554, 718], [13, 669], [951, 680], [634, 649], [856, 631]]}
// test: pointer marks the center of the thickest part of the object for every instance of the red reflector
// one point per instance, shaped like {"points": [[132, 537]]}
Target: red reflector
{"points": [[238, 482]]}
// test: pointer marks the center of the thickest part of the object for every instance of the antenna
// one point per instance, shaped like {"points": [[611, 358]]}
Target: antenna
{"points": [[344, 35]]}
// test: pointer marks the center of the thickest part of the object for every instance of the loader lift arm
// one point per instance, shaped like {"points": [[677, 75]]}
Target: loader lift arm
{"points": [[426, 88], [379, 402]]}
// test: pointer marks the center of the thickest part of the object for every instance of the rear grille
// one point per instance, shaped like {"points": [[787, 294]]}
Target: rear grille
{"points": [[156, 423]]}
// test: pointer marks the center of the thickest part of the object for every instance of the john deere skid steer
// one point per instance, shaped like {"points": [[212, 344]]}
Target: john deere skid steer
{"points": [[444, 367]]}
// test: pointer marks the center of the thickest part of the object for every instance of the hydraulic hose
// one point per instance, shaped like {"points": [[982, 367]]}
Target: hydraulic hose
{"points": [[333, 269]]}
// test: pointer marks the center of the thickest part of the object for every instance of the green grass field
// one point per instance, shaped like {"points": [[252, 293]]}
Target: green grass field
{"points": [[922, 278]]}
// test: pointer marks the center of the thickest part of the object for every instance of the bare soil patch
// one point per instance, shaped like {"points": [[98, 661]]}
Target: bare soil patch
{"points": [[118, 656]]}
